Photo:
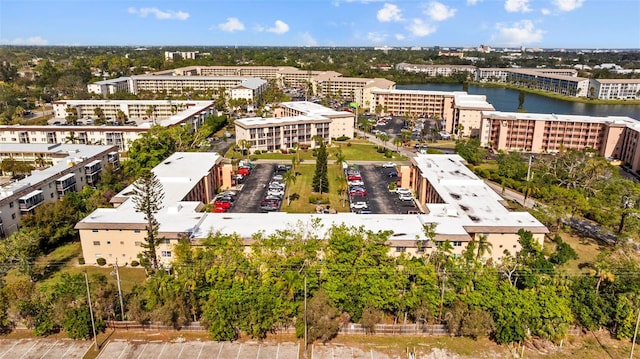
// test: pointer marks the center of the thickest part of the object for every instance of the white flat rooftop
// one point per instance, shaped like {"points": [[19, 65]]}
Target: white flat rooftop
{"points": [[312, 108]]}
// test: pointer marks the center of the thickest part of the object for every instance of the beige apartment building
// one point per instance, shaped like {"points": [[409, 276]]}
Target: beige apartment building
{"points": [[615, 89], [456, 202], [294, 123], [62, 168], [163, 113], [464, 207], [332, 84], [551, 82], [451, 108], [189, 180], [613, 137]]}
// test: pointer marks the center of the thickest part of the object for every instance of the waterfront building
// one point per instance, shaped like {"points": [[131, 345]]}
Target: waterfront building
{"points": [[615, 89], [61, 168], [612, 137], [436, 70], [550, 81]]}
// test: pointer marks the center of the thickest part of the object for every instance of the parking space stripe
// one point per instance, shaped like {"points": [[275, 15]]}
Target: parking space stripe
{"points": [[28, 350], [201, 348], [258, 354], [142, 351], [181, 349], [162, 350], [48, 350], [123, 350], [69, 348], [239, 351], [10, 349], [220, 351]]}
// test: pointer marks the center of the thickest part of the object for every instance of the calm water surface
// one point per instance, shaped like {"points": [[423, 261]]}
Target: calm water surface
{"points": [[506, 100]]}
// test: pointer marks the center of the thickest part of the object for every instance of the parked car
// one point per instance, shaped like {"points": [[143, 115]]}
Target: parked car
{"points": [[219, 209], [356, 183], [406, 197], [277, 177], [222, 203], [275, 193], [245, 171], [359, 205], [358, 192], [392, 174], [401, 190], [389, 165], [354, 178], [283, 168]]}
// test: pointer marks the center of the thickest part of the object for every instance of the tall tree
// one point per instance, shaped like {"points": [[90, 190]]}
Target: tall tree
{"points": [[320, 178], [147, 197]]}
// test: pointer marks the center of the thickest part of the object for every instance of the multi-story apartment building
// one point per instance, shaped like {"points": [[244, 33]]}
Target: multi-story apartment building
{"points": [[182, 84], [551, 82], [143, 112], [612, 137], [109, 87], [207, 78], [436, 70], [294, 123], [332, 84], [615, 89], [189, 180], [63, 169], [464, 207], [459, 204], [452, 108], [185, 55], [499, 74]]}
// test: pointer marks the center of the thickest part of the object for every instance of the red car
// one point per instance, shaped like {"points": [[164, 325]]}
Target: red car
{"points": [[243, 171], [223, 204], [219, 210], [358, 192], [354, 178]]}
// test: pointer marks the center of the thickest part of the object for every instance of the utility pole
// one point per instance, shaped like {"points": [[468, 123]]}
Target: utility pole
{"points": [[119, 291], [529, 168], [93, 323], [305, 316], [635, 333]]}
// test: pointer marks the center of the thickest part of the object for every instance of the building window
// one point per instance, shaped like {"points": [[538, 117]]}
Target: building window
{"points": [[401, 249], [136, 231], [13, 216], [94, 230], [96, 243], [10, 204], [166, 254], [108, 242], [457, 243], [164, 241]]}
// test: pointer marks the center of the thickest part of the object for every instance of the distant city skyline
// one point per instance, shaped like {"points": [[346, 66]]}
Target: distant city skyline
{"points": [[403, 23]]}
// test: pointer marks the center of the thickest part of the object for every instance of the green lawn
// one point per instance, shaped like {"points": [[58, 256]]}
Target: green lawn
{"points": [[64, 259], [302, 187], [353, 150]]}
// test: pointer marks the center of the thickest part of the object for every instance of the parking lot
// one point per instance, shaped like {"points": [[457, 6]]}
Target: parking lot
{"points": [[379, 199], [197, 349], [255, 188], [43, 348]]}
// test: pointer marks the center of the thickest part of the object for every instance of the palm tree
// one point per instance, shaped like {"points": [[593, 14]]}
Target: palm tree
{"points": [[71, 138], [434, 134], [603, 274], [484, 246], [397, 141], [289, 178]]}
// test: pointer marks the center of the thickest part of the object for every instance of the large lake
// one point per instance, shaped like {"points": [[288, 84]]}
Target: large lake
{"points": [[506, 100]]}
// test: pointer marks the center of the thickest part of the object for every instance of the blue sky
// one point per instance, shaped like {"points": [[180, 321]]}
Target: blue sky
{"points": [[498, 23]]}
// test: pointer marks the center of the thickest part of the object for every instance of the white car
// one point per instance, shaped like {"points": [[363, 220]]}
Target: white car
{"points": [[406, 197], [389, 165], [359, 205], [401, 190], [356, 183]]}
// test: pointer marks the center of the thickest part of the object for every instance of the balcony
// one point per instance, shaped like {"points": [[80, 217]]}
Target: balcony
{"points": [[29, 202]]}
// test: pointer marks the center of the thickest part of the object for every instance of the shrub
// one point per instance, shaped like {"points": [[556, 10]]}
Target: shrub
{"points": [[292, 150], [348, 144], [135, 263], [254, 158], [101, 261], [81, 260], [257, 152], [315, 199], [342, 138]]}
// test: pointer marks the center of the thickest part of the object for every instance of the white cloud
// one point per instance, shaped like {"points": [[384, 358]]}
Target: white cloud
{"points": [[567, 5], [517, 6], [399, 37], [232, 24], [517, 34], [376, 37], [473, 2], [389, 12], [308, 40], [545, 11], [420, 29], [279, 28], [159, 14], [33, 40], [439, 11]]}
